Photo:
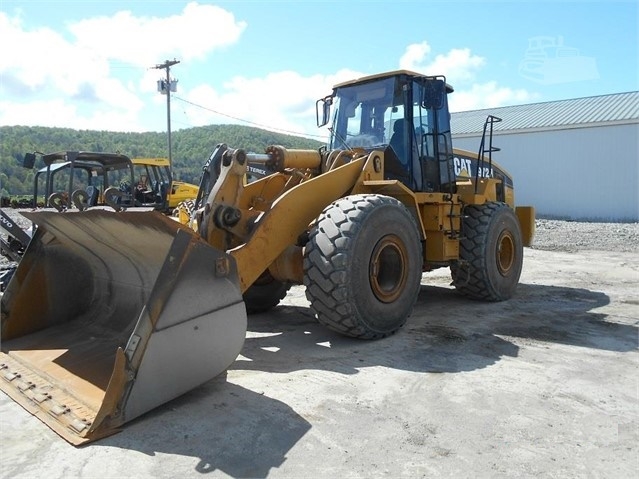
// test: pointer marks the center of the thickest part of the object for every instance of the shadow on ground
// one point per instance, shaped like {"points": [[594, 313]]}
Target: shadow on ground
{"points": [[446, 333], [224, 425], [227, 427]]}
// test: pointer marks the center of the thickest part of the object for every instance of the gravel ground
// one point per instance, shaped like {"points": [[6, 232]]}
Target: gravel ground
{"points": [[572, 236]]}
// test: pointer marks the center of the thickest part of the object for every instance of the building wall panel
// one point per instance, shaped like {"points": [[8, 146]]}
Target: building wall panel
{"points": [[589, 174]]}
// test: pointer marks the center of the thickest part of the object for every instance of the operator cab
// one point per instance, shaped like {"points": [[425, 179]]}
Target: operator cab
{"points": [[401, 112], [154, 182]]}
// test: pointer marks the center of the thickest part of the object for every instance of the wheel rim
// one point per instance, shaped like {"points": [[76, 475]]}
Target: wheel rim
{"points": [[505, 253], [388, 271]]}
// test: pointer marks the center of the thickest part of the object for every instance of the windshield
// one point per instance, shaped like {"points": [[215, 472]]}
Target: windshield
{"points": [[364, 114]]}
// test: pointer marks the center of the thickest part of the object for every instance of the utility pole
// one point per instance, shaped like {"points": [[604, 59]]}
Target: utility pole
{"points": [[166, 87]]}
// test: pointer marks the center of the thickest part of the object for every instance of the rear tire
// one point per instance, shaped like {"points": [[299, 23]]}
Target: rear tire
{"points": [[264, 294], [363, 266], [491, 253]]}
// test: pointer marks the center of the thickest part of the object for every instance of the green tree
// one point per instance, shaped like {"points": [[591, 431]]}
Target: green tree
{"points": [[191, 147]]}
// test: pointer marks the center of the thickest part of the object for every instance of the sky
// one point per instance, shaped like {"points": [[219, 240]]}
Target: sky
{"points": [[91, 64]]}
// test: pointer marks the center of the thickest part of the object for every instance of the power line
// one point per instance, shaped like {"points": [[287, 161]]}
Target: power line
{"points": [[296, 133]]}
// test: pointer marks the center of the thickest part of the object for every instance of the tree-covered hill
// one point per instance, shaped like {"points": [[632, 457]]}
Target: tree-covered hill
{"points": [[191, 147]]}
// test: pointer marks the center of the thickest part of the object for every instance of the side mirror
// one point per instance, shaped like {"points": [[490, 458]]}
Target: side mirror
{"points": [[433, 93], [29, 160], [326, 110]]}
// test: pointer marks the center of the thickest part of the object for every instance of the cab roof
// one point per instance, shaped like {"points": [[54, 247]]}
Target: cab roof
{"points": [[151, 161], [388, 74], [106, 159]]}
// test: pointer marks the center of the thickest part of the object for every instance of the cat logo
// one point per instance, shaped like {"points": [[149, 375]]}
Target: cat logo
{"points": [[465, 167]]}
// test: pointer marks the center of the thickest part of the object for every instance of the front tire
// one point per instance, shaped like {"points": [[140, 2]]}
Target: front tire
{"points": [[264, 294], [491, 253], [363, 266]]}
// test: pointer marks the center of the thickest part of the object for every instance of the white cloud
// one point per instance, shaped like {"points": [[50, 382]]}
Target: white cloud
{"points": [[197, 31], [487, 95], [461, 66], [280, 101], [90, 67], [61, 113], [414, 56], [458, 65], [42, 58], [95, 74]]}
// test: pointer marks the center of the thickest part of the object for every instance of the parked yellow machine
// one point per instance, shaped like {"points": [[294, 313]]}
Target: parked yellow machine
{"points": [[83, 179], [150, 308], [158, 172]]}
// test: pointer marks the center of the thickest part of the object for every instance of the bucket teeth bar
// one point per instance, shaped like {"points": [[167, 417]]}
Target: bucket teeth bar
{"points": [[42, 399]]}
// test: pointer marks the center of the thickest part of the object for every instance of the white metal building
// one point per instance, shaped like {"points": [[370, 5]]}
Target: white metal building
{"points": [[572, 159]]}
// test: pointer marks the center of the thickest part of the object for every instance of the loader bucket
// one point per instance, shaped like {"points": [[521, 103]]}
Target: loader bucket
{"points": [[112, 314]]}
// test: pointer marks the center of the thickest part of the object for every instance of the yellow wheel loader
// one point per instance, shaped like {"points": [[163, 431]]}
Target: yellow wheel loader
{"points": [[111, 314], [82, 179]]}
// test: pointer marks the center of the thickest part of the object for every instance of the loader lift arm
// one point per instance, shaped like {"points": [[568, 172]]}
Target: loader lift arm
{"points": [[235, 218]]}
